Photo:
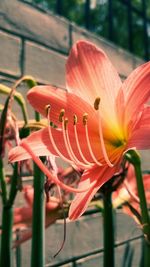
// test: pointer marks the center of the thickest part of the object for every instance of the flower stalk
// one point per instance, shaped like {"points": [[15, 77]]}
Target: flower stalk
{"points": [[7, 201], [7, 217], [108, 226], [146, 256], [38, 223], [38, 240], [18, 98], [133, 157], [31, 82], [3, 183], [6, 238]]}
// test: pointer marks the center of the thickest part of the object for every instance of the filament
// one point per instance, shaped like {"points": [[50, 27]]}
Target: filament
{"points": [[77, 142], [68, 145], [88, 140], [52, 139], [48, 173], [96, 107], [103, 145]]}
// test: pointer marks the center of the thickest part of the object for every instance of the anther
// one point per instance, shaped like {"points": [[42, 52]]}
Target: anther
{"points": [[96, 103], [75, 119], [61, 115], [65, 123], [47, 108], [85, 118]]}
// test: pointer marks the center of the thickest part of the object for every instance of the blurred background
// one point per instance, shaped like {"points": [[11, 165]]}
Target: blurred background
{"points": [[125, 22]]}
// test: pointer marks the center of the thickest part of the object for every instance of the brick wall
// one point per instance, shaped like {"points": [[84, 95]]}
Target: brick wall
{"points": [[37, 43]]}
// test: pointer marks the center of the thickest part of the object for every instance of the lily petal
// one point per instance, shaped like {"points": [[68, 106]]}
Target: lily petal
{"points": [[140, 137], [22, 215], [80, 203], [145, 118], [90, 74], [58, 99], [137, 91], [42, 145]]}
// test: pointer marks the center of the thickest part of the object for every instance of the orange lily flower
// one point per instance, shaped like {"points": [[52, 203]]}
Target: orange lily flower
{"points": [[97, 119], [127, 194]]}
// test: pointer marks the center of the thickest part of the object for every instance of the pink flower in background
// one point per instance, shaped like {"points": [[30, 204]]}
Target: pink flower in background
{"points": [[127, 194], [23, 215], [97, 120]]}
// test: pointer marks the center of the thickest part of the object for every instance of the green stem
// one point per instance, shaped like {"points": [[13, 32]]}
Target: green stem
{"points": [[38, 223], [3, 183], [31, 83], [6, 237], [134, 158], [144, 214], [146, 253], [14, 185], [19, 99], [108, 226], [18, 251], [7, 217], [143, 204]]}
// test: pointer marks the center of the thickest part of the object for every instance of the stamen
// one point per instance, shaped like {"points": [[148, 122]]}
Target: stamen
{"points": [[65, 123], [103, 145], [53, 178], [68, 144], [77, 142], [96, 106], [96, 103], [75, 119], [47, 108], [85, 117], [88, 140], [61, 115], [52, 139]]}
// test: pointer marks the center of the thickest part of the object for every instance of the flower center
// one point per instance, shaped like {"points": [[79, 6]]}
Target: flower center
{"points": [[118, 142]]}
